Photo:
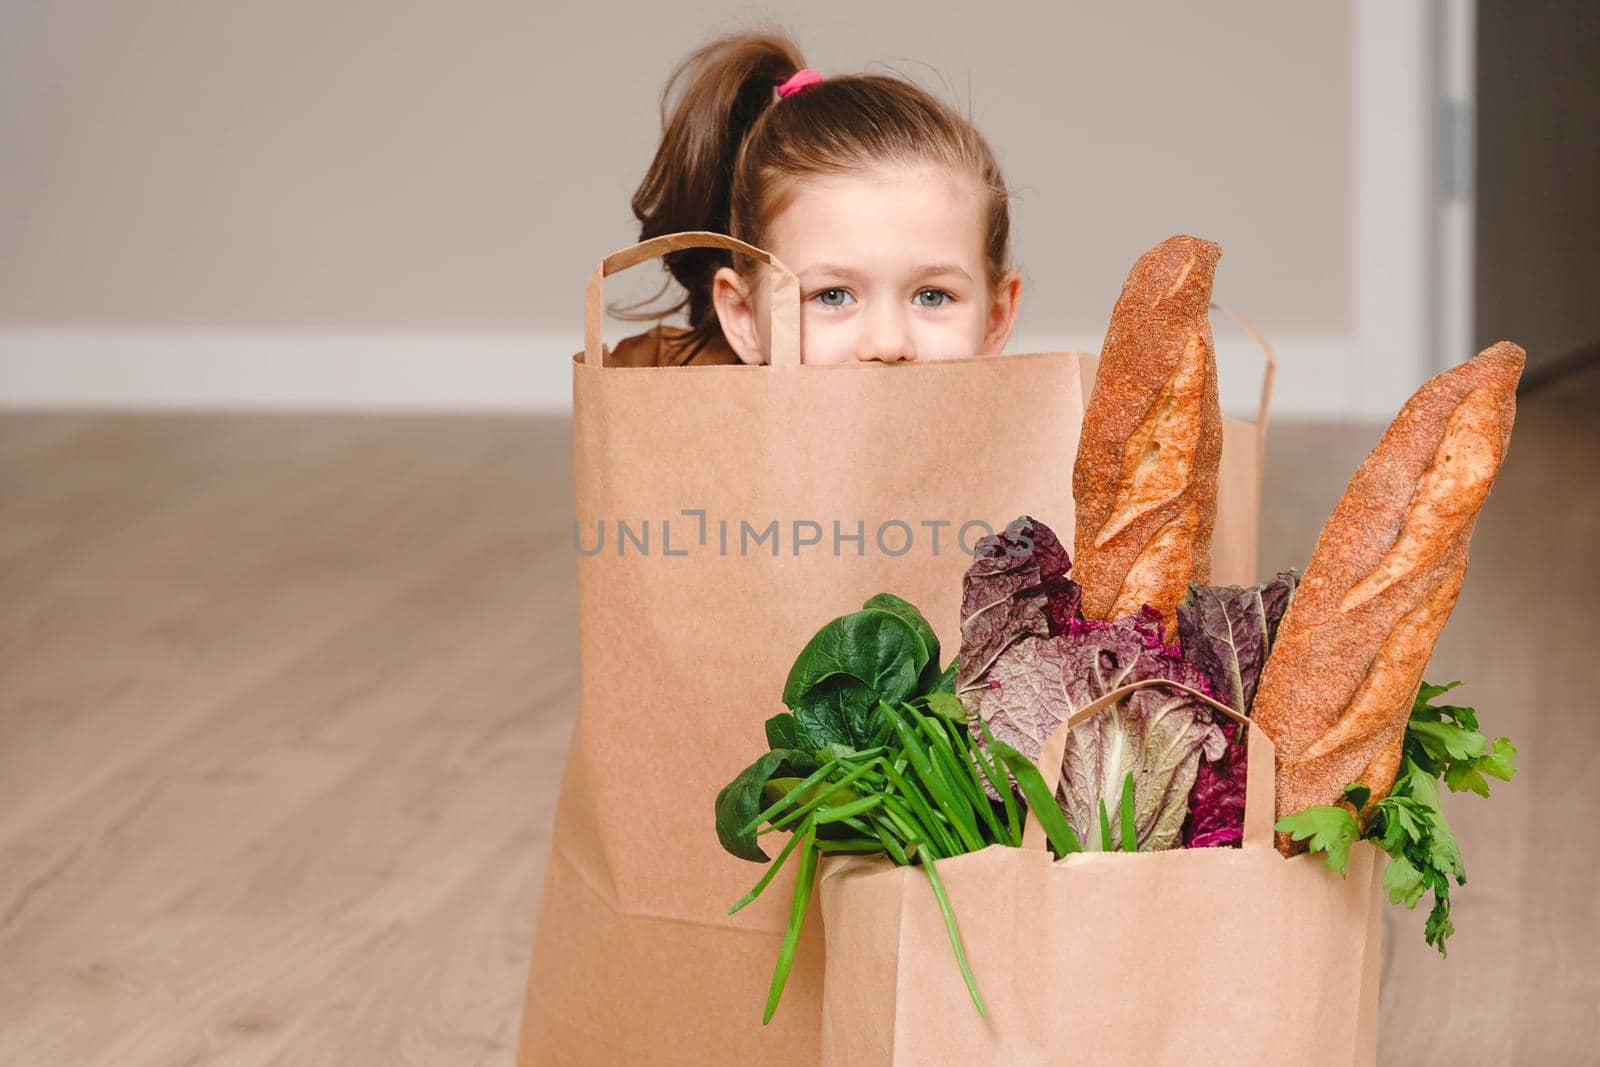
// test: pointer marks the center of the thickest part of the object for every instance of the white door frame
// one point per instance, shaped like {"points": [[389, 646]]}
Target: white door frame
{"points": [[1411, 166]]}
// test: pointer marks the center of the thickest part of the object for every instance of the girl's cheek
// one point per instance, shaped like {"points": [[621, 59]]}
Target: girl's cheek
{"points": [[955, 338], [827, 337]]}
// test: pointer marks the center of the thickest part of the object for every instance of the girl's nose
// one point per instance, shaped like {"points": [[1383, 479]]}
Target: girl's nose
{"points": [[886, 341]]}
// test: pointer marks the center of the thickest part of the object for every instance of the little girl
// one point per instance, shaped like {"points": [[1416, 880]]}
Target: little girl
{"points": [[888, 206]]}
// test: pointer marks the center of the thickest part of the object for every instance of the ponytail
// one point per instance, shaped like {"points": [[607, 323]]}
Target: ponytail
{"points": [[711, 101], [729, 157]]}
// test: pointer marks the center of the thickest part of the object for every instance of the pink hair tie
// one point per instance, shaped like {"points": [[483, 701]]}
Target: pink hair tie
{"points": [[799, 80]]}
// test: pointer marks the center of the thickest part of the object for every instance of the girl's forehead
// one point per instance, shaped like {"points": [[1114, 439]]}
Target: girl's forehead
{"points": [[881, 216]]}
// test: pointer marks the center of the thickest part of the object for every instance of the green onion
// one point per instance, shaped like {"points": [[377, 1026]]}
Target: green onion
{"points": [[797, 915], [851, 844], [966, 783], [1130, 833], [955, 935], [824, 795], [844, 811], [1002, 784], [805, 783], [1040, 801], [887, 838], [766, 879], [812, 779], [949, 801], [935, 834]]}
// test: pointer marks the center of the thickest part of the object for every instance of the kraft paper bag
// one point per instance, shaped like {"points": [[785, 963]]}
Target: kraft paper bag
{"points": [[1188, 956], [688, 623]]}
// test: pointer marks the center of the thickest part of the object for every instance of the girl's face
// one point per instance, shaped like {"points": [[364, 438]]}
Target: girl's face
{"points": [[891, 267]]}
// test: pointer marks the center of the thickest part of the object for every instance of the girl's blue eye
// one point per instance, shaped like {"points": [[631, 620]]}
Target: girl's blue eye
{"points": [[942, 298], [833, 298]]}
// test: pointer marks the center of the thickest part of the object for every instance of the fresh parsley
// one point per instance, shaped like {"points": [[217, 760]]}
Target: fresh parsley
{"points": [[1442, 741]]}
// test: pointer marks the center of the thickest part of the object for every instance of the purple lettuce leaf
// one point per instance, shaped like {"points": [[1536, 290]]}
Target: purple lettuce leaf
{"points": [[1061, 593], [1038, 682], [1016, 585], [1226, 633], [1048, 551], [1064, 596], [1226, 630], [1146, 623], [1216, 804], [1029, 660], [1275, 597]]}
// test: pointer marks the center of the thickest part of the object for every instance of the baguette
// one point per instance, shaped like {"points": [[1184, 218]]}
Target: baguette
{"points": [[1337, 689], [1145, 479]]}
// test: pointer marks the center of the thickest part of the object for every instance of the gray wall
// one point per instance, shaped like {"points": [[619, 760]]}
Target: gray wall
{"points": [[361, 165]]}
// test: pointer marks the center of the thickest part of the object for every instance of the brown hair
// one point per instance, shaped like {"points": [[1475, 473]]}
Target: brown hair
{"points": [[730, 152]]}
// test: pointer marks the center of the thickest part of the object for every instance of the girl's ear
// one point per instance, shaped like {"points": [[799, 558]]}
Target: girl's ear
{"points": [[737, 315], [1002, 313]]}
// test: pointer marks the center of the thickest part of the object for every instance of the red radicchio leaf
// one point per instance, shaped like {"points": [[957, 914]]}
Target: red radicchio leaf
{"points": [[1216, 804], [1035, 683], [1226, 633], [1016, 586], [1062, 594]]}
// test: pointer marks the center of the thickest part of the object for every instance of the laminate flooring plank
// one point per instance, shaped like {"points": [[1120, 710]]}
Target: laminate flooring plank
{"points": [[292, 797], [284, 701]]}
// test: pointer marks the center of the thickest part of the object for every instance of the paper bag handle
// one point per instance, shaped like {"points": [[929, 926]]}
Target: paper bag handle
{"points": [[783, 291], [1268, 373], [1260, 759]]}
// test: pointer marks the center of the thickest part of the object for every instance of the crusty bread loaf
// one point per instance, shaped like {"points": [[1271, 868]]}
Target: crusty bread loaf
{"points": [[1145, 480], [1337, 689]]}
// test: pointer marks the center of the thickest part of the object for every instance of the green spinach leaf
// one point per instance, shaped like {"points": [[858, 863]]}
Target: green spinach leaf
{"points": [[874, 647], [740, 800], [839, 711], [930, 640], [784, 732]]}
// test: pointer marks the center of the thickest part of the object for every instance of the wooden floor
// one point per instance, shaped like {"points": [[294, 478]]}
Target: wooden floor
{"points": [[283, 702]]}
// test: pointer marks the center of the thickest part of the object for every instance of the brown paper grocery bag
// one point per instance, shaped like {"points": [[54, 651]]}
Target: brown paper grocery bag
{"points": [[1190, 956], [687, 629]]}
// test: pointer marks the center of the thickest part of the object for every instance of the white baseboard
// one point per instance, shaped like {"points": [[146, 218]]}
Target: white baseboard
{"points": [[284, 370], [521, 372], [1318, 374]]}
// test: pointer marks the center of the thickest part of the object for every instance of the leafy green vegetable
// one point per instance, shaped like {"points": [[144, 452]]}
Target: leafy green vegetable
{"points": [[1030, 661], [1156, 734], [1226, 631], [837, 711], [797, 913], [875, 647], [875, 754], [929, 679], [1441, 741], [783, 731], [884, 652], [1063, 839], [740, 799], [947, 705], [1330, 829], [1130, 835], [1015, 586], [1444, 739], [1465, 777]]}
